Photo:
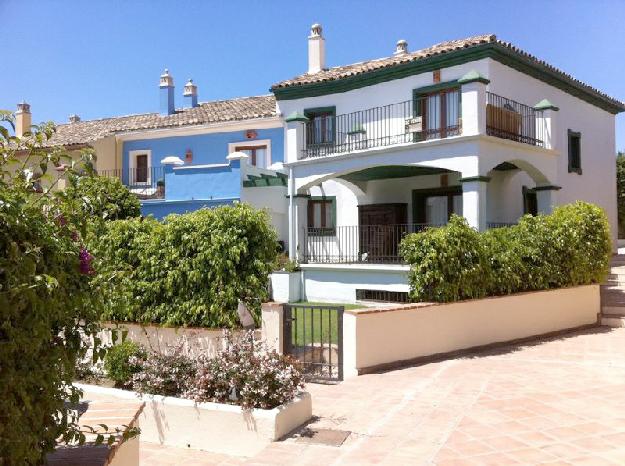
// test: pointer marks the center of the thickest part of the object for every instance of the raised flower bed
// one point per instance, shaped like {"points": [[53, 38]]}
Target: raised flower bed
{"points": [[218, 427]]}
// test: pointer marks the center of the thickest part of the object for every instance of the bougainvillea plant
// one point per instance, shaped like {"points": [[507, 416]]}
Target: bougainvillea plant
{"points": [[48, 303]]}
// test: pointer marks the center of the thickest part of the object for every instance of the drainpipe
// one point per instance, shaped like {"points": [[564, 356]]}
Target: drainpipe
{"points": [[292, 251]]}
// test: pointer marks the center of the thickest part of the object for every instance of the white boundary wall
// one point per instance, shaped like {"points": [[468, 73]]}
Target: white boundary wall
{"points": [[375, 338]]}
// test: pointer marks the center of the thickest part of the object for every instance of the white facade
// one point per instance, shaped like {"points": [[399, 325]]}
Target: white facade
{"points": [[489, 179]]}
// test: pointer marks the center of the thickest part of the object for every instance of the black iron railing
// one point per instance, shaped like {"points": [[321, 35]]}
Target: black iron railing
{"points": [[508, 119], [147, 182], [376, 244], [500, 224], [429, 117]]}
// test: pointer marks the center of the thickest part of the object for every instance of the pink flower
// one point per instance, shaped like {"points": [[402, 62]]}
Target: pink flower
{"points": [[85, 262]]}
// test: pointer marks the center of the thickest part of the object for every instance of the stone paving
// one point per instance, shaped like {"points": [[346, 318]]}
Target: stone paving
{"points": [[555, 401]]}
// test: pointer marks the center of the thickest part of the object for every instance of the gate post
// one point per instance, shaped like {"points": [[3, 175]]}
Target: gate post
{"points": [[272, 329]]}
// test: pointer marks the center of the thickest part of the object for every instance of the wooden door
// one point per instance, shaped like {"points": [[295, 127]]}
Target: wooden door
{"points": [[382, 226]]}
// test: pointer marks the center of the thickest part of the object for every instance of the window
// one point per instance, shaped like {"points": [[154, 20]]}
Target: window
{"points": [[530, 203], [575, 152], [322, 214], [440, 113], [321, 127], [139, 167], [257, 155]]}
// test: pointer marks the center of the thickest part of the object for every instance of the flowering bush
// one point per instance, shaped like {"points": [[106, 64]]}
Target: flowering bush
{"points": [[163, 374], [117, 364], [246, 374]]}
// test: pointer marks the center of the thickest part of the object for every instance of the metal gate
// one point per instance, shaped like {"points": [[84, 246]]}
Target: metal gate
{"points": [[313, 334]]}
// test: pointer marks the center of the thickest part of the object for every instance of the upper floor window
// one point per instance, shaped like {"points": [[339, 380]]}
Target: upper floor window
{"points": [[257, 155], [321, 128], [439, 112], [575, 152]]}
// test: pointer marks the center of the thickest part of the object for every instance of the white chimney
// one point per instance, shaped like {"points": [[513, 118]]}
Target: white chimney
{"points": [[316, 50], [23, 119], [401, 48]]}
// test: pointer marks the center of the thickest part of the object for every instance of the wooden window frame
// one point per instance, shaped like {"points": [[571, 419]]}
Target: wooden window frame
{"points": [[441, 90], [254, 148], [312, 113], [324, 201]]}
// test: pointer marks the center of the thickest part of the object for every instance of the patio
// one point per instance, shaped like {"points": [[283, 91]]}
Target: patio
{"points": [[554, 401]]}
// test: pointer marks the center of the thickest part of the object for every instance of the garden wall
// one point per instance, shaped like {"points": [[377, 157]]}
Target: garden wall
{"points": [[375, 339], [195, 340]]}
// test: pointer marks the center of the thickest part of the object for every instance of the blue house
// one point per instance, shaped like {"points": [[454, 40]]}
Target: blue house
{"points": [[201, 155]]}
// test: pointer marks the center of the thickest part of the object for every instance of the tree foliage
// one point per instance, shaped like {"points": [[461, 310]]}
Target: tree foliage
{"points": [[572, 246], [620, 192], [47, 300], [101, 197], [191, 269]]}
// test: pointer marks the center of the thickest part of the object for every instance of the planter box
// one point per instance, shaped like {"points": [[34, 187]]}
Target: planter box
{"points": [[216, 427], [383, 338], [286, 287]]}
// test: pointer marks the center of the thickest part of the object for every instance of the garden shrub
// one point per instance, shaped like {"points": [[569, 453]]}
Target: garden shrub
{"points": [[120, 364], [47, 302], [168, 374], [191, 269], [102, 197], [447, 264], [248, 375], [571, 246]]}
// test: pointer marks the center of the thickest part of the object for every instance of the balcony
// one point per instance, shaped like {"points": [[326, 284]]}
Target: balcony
{"points": [[429, 117], [145, 182], [375, 244], [508, 119]]}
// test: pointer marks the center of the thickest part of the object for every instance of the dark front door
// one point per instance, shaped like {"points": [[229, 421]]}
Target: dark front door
{"points": [[382, 226]]}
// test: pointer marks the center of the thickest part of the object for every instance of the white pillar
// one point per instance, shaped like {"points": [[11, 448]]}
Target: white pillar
{"points": [[473, 103], [294, 142], [474, 191], [546, 121], [545, 198], [300, 203]]}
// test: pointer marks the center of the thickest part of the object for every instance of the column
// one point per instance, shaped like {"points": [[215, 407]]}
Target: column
{"points": [[545, 198], [474, 192], [294, 141], [473, 103], [546, 129]]}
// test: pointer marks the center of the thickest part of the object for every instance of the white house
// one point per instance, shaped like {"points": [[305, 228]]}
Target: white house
{"points": [[381, 148]]}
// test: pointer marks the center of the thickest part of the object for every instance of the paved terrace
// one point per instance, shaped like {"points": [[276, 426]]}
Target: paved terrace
{"points": [[554, 401]]}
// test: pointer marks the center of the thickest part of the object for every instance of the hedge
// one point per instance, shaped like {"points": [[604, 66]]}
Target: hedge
{"points": [[191, 269], [571, 246]]}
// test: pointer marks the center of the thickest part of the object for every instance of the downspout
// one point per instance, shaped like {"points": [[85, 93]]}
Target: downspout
{"points": [[292, 252]]}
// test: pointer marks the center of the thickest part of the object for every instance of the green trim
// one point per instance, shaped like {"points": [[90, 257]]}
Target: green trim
{"points": [[316, 110], [571, 134], [391, 171], [295, 196], [545, 105], [329, 231], [469, 179], [419, 196], [550, 187], [296, 116], [473, 77], [436, 87], [263, 180], [495, 51]]}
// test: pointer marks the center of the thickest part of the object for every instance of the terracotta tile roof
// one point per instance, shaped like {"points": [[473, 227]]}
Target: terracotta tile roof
{"points": [[347, 71], [244, 108]]}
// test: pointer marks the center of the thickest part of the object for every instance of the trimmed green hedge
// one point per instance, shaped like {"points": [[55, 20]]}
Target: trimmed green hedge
{"points": [[570, 247], [190, 269]]}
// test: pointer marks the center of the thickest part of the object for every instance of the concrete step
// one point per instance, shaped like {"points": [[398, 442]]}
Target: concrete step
{"points": [[612, 320], [611, 309]]}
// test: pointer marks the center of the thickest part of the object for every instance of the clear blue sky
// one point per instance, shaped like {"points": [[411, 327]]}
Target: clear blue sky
{"points": [[103, 58]]}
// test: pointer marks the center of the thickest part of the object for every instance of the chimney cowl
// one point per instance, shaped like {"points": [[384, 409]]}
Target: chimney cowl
{"points": [[73, 118], [23, 107], [401, 47], [316, 30], [190, 93], [167, 80], [166, 88]]}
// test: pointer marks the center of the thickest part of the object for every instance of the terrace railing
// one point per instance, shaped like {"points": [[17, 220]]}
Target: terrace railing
{"points": [[376, 244], [410, 121], [145, 182], [508, 119]]}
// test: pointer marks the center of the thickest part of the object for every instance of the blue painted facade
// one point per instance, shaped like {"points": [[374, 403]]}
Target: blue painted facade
{"points": [[201, 182], [160, 208], [206, 148], [194, 185]]}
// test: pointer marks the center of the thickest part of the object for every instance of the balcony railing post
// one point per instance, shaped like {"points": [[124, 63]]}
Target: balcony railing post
{"points": [[473, 103], [546, 122]]}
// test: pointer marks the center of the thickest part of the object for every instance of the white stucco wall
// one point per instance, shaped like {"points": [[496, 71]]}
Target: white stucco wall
{"points": [[273, 199]]}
